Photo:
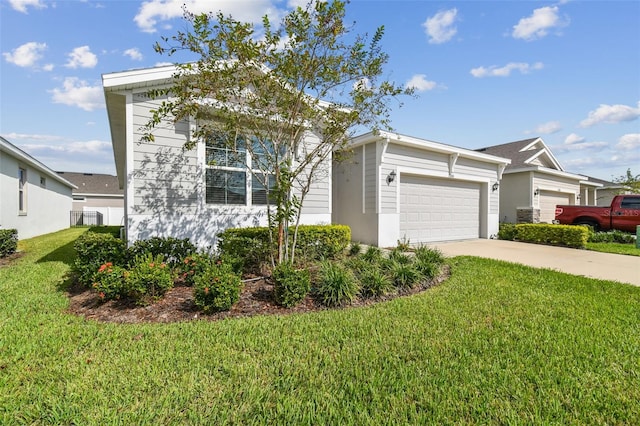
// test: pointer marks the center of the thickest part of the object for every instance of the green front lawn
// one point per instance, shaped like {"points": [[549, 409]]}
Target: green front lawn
{"points": [[616, 248], [496, 343]]}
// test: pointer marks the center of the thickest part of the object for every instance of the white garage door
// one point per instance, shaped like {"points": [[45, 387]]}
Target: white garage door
{"points": [[434, 209], [548, 202]]}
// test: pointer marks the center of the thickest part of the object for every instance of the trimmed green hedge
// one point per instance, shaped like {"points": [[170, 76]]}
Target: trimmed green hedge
{"points": [[8, 242], [541, 233], [314, 242]]}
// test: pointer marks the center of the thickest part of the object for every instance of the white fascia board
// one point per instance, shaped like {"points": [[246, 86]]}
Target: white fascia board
{"points": [[426, 144], [16, 152], [547, 171], [544, 150], [91, 194], [589, 183], [137, 78], [531, 144]]}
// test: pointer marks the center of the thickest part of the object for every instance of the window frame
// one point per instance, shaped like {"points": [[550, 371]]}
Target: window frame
{"points": [[22, 191], [234, 166]]}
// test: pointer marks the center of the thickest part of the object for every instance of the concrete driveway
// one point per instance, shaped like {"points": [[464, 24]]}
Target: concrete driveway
{"points": [[615, 267]]}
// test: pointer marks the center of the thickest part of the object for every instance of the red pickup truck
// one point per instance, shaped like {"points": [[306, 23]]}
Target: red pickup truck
{"points": [[623, 214]]}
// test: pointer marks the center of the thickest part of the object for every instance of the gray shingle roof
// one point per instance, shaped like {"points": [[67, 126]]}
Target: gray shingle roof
{"points": [[93, 183], [511, 150]]}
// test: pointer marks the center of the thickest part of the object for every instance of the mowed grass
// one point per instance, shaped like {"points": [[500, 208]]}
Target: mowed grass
{"points": [[616, 248], [496, 343]]}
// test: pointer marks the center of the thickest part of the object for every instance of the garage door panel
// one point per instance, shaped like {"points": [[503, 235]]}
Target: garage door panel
{"points": [[548, 201], [445, 209]]}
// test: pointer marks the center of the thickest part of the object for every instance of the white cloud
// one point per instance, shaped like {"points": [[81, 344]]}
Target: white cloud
{"points": [[76, 92], [629, 141], [420, 83], [575, 142], [362, 84], [548, 128], [573, 138], [21, 5], [82, 57], [611, 114], [538, 24], [26, 55], [440, 27], [505, 71], [133, 53], [158, 12]]}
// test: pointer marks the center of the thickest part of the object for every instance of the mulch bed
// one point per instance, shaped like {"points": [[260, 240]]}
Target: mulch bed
{"points": [[178, 304]]}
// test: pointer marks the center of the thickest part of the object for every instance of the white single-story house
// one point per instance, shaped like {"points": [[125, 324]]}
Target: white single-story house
{"points": [[34, 199], [96, 193], [401, 188], [535, 182], [170, 191]]}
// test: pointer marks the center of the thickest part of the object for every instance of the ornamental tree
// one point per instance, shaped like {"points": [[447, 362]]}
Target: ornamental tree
{"points": [[260, 91]]}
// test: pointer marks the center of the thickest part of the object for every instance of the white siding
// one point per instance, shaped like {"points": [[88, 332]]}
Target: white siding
{"points": [[47, 207]]}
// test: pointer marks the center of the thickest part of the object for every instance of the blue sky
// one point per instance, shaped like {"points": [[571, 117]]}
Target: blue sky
{"points": [[486, 72]]}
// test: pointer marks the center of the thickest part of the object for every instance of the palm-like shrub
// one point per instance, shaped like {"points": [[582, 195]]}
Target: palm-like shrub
{"points": [[375, 282], [403, 275], [337, 284]]}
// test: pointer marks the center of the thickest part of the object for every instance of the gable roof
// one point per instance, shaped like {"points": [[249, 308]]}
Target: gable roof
{"points": [[526, 153], [94, 183], [14, 151]]}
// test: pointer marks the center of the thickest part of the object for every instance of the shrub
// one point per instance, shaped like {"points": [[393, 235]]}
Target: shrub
{"points": [[507, 231], [172, 250], [403, 275], [428, 254], [404, 244], [8, 242], [148, 278], [373, 254], [314, 242], [192, 266], [374, 282], [565, 235], [94, 250], [337, 285], [614, 236], [109, 282], [217, 288], [355, 249], [397, 255], [291, 286]]}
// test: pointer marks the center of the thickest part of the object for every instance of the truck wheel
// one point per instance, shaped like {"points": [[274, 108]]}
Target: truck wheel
{"points": [[591, 224]]}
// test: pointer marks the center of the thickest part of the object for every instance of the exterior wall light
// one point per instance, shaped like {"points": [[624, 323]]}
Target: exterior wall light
{"points": [[495, 186], [536, 192], [391, 177]]}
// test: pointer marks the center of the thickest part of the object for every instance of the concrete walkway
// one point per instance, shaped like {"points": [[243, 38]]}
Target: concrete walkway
{"points": [[615, 267]]}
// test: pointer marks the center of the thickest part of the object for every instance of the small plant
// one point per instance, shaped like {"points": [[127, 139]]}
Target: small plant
{"points": [[8, 242], [403, 275], [217, 288], [614, 236], [337, 285], [291, 286], [404, 244], [428, 254], [375, 283], [427, 268], [373, 254], [148, 278], [355, 248], [399, 256], [192, 266], [109, 281]]}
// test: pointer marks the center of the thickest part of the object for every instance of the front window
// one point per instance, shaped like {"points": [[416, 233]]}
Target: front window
{"points": [[230, 175]]}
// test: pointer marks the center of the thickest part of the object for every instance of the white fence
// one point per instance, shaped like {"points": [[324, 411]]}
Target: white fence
{"points": [[112, 216]]}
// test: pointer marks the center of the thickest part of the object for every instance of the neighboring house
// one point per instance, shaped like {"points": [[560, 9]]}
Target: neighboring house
{"points": [[170, 191], [605, 192], [400, 188], [97, 193], [535, 182], [34, 199]]}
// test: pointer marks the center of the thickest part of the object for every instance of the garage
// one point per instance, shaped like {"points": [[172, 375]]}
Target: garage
{"points": [[433, 209], [548, 202]]}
